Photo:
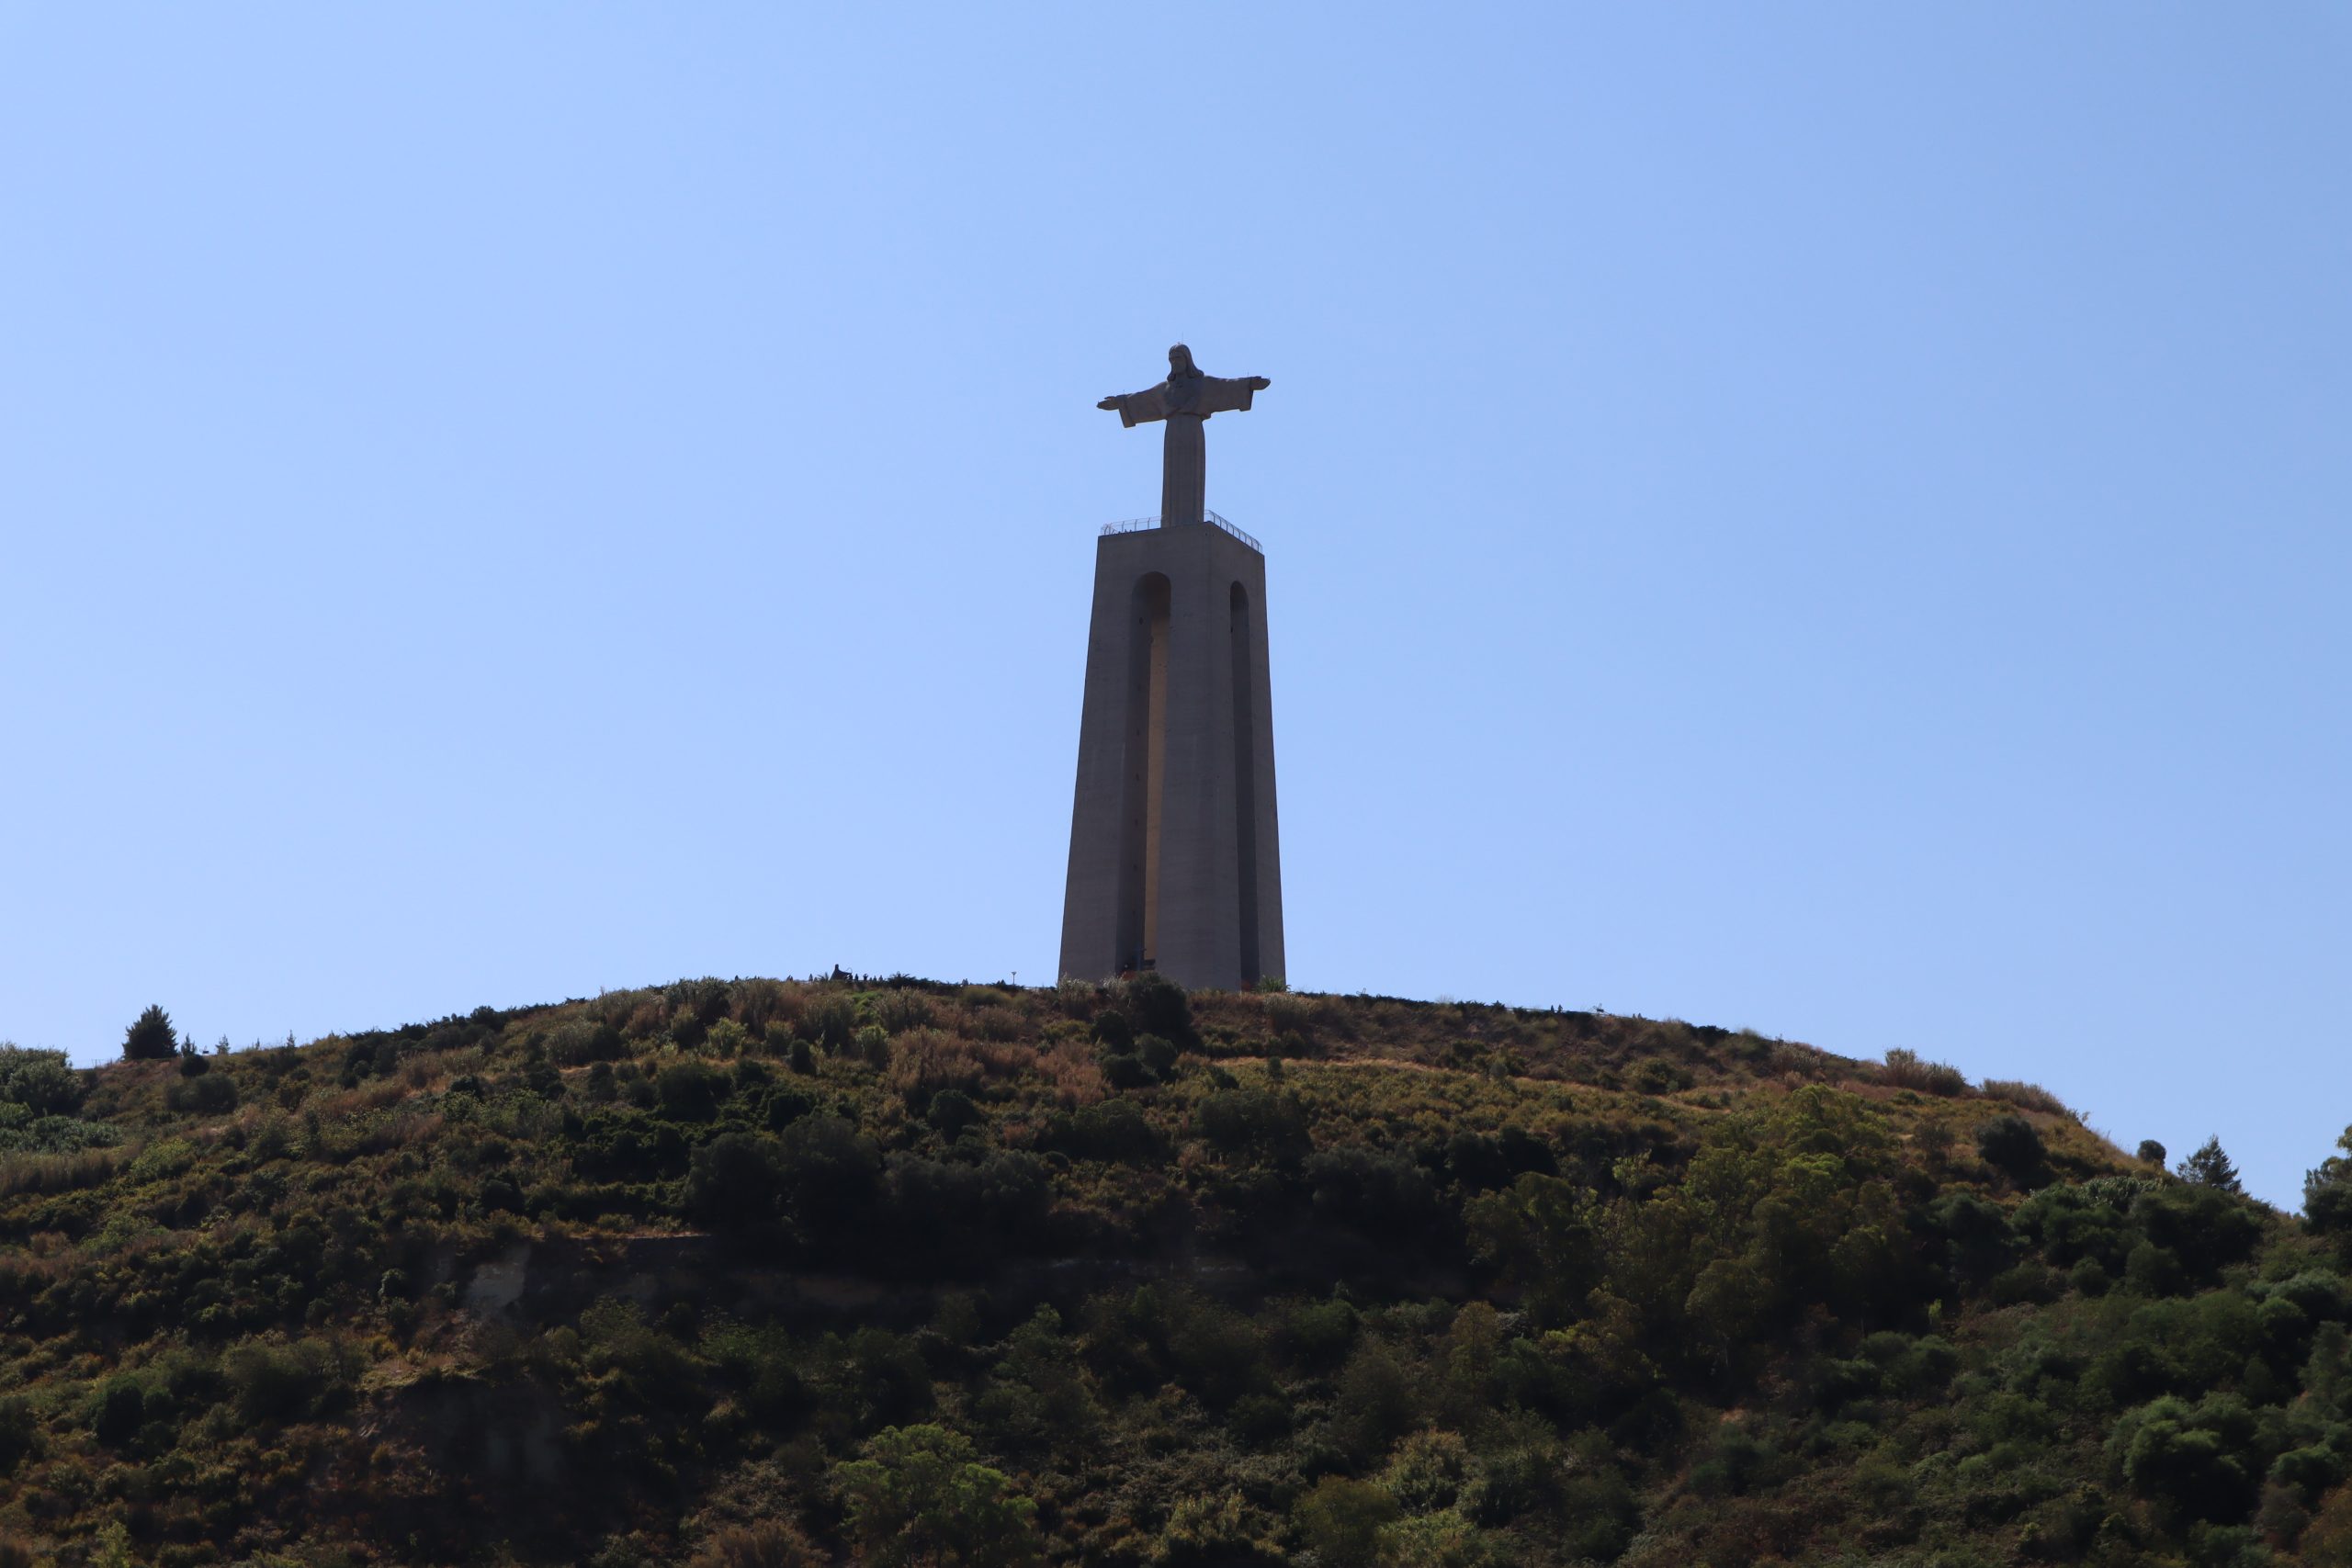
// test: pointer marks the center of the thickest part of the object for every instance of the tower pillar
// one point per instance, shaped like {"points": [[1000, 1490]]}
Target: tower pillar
{"points": [[1175, 859]]}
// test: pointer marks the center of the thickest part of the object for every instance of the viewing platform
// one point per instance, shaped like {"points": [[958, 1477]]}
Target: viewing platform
{"points": [[1137, 524]]}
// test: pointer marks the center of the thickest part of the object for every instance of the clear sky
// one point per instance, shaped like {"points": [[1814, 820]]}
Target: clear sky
{"points": [[1826, 519]]}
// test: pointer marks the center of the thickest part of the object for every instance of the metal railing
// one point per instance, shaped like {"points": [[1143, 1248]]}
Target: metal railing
{"points": [[1137, 524]]}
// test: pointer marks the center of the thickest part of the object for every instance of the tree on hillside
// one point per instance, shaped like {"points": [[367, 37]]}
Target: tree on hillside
{"points": [[2327, 1191], [2209, 1166], [2152, 1151], [150, 1039], [920, 1496], [2012, 1145]]}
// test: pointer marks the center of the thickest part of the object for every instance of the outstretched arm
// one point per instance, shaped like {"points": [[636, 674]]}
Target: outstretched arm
{"points": [[1136, 407], [1229, 394]]}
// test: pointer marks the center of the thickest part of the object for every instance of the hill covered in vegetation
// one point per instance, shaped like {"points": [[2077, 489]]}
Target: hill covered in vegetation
{"points": [[754, 1273]]}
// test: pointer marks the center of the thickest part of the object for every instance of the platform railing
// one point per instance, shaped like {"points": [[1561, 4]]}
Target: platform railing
{"points": [[1137, 524]]}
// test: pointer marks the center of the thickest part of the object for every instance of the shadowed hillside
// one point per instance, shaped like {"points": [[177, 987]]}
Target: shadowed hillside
{"points": [[768, 1272]]}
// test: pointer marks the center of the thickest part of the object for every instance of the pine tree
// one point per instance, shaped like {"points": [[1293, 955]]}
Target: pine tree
{"points": [[2209, 1166], [150, 1039]]}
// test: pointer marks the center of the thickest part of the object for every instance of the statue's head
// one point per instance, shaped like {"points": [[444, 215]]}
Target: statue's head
{"points": [[1180, 362]]}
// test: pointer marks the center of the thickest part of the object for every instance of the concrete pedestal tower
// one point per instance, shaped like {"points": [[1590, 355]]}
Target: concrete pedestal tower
{"points": [[1175, 863]]}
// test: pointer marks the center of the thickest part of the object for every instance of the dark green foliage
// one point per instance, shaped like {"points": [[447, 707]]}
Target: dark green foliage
{"points": [[1659, 1075], [1159, 1006], [1385, 1196], [2202, 1459], [1114, 1031], [41, 1081], [830, 1176], [950, 1111], [735, 1179], [150, 1037], [2209, 1166], [690, 1092], [1115, 1129], [2327, 1191], [274, 1383], [2150, 1152], [20, 1432], [122, 1405], [1340, 1521], [1253, 1124], [2011, 1145], [920, 1496], [214, 1094]]}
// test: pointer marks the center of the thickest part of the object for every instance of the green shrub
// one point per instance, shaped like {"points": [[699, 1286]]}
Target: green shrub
{"points": [[1159, 1006], [275, 1383], [214, 1094], [43, 1082], [919, 1496], [735, 1179], [1658, 1075], [2012, 1145], [2200, 1459], [1253, 1122], [690, 1092], [1428, 1471], [1340, 1521]]}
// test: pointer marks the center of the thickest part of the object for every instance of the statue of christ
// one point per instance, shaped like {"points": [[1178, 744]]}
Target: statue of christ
{"points": [[1185, 400]]}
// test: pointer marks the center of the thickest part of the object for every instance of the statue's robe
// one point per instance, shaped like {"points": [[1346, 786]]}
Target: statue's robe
{"points": [[1183, 401]]}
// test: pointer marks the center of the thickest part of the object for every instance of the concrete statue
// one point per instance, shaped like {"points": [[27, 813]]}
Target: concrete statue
{"points": [[1175, 860], [1184, 400]]}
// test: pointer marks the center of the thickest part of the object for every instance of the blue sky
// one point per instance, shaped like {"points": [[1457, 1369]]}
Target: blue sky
{"points": [[1829, 521]]}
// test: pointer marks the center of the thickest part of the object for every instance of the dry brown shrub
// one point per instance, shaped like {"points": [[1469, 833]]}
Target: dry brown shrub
{"points": [[898, 1011], [57, 1173], [925, 1061], [2025, 1095], [15, 1553], [398, 1130], [615, 1007], [645, 1019], [1802, 1061], [1290, 1015], [1903, 1069], [1067, 1066], [770, 1543], [374, 1095], [756, 1003], [2328, 1539], [996, 1023], [573, 1043], [1076, 998]]}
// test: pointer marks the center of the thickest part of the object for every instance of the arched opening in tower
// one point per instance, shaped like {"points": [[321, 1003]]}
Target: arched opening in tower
{"points": [[1245, 778], [1146, 773]]}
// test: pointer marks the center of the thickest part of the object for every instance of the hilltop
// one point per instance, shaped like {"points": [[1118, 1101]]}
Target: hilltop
{"points": [[756, 1272]]}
